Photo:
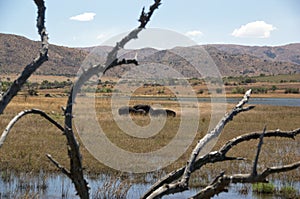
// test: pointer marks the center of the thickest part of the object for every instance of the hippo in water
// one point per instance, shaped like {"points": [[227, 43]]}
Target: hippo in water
{"points": [[126, 110], [162, 112], [144, 107]]}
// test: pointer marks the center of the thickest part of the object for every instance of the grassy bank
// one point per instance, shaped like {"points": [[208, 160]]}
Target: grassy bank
{"points": [[282, 86], [33, 137]]}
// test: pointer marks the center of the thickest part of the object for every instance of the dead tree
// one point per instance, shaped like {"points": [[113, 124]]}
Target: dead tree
{"points": [[75, 173]]}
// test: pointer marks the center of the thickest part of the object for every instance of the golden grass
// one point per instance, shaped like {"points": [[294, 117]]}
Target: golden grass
{"points": [[33, 137]]}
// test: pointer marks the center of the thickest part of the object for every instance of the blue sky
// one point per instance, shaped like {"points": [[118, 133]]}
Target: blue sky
{"points": [[81, 23]]}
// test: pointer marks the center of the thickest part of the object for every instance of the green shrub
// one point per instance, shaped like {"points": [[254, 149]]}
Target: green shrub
{"points": [[4, 86], [274, 88], [248, 80], [288, 192], [263, 188], [219, 90], [238, 90], [291, 90], [104, 90], [260, 90]]}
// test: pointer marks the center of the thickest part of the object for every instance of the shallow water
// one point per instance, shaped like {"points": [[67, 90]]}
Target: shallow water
{"points": [[45, 185]]}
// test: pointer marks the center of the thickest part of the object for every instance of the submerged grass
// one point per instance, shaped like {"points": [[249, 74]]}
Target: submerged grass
{"points": [[270, 188], [265, 188]]}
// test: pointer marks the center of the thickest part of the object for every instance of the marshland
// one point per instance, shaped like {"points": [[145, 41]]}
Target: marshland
{"points": [[27, 172]]}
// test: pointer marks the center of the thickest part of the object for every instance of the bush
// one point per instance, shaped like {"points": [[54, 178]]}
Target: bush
{"points": [[263, 188], [260, 90], [291, 90], [274, 88], [104, 90], [248, 81], [262, 75], [4, 85], [238, 90], [201, 91], [56, 84], [161, 91], [219, 90], [32, 92], [288, 192]]}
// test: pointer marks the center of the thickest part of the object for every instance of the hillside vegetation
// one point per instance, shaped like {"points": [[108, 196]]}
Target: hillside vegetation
{"points": [[232, 60]]}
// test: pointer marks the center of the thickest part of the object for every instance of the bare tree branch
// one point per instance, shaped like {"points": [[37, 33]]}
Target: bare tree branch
{"points": [[223, 181], [61, 168], [183, 184], [144, 19], [213, 134], [22, 114], [219, 156], [256, 135], [33, 66], [254, 172], [76, 171]]}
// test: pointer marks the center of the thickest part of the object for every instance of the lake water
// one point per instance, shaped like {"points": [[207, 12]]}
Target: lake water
{"points": [[270, 101], [254, 100]]}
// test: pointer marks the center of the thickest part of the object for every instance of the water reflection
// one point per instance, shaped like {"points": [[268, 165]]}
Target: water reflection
{"points": [[45, 185]]}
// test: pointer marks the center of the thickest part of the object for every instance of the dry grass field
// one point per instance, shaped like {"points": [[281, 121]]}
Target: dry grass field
{"points": [[33, 137]]}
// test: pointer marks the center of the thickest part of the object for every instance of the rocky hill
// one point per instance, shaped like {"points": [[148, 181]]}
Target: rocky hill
{"points": [[231, 60], [17, 51], [288, 53]]}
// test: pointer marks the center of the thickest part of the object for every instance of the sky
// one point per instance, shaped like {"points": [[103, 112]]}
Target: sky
{"points": [[85, 23]]}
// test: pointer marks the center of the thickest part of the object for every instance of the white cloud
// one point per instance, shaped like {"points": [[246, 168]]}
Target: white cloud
{"points": [[194, 33], [87, 16], [256, 29]]}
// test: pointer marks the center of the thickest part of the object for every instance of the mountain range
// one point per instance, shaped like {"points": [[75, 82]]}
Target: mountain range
{"points": [[232, 60]]}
